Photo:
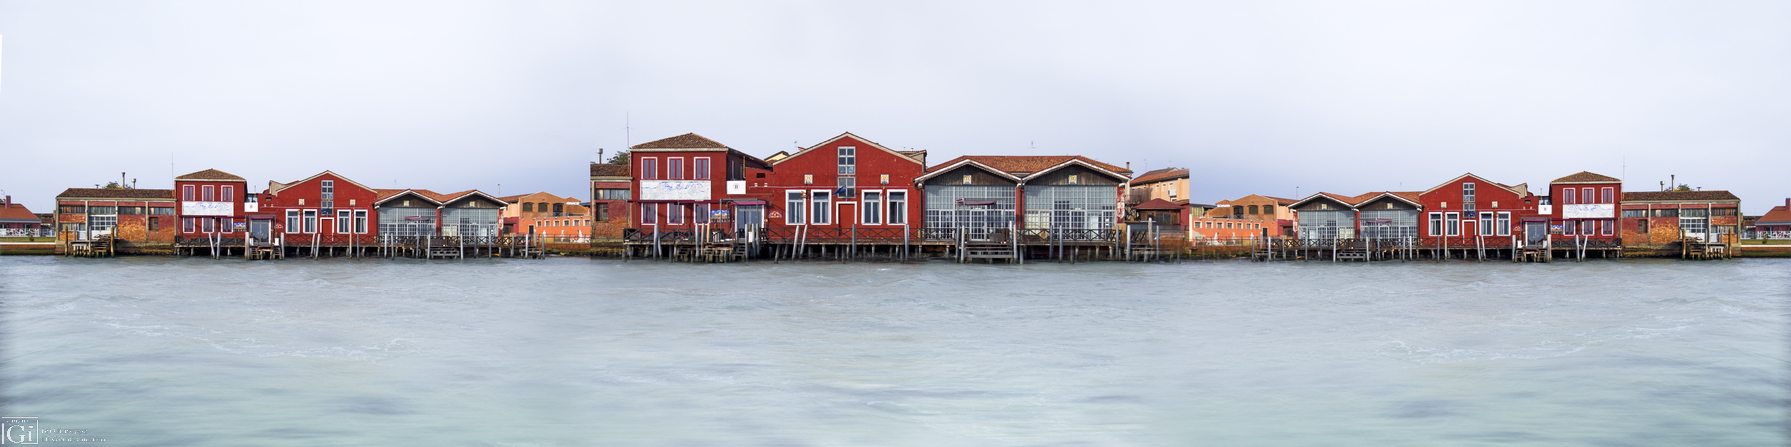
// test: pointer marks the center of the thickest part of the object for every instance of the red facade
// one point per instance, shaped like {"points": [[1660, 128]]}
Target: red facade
{"points": [[1585, 207], [212, 202], [845, 182], [681, 182], [326, 204], [1471, 207]]}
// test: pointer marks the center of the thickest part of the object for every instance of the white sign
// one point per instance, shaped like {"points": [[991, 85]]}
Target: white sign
{"points": [[1545, 209], [736, 187], [251, 207], [1594, 211], [674, 190], [205, 208]]}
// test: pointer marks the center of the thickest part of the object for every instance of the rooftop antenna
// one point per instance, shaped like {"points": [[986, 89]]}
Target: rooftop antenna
{"points": [[628, 128]]}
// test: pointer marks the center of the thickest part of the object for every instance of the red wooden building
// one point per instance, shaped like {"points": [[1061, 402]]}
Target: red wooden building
{"points": [[843, 183], [1471, 211], [680, 182]]}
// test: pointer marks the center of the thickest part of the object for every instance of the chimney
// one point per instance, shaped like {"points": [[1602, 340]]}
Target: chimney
{"points": [[8, 201]]}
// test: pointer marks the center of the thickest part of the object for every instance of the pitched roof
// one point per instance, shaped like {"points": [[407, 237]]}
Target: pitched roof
{"points": [[1780, 215], [103, 193], [1679, 196], [609, 170], [211, 174], [1157, 204], [1160, 175], [1408, 196], [276, 187], [385, 194], [1023, 165], [1512, 189], [1586, 177], [18, 213], [920, 156], [685, 141], [904, 155]]}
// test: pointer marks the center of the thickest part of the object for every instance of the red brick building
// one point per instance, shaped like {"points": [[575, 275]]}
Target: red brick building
{"points": [[1585, 209], [141, 220], [611, 187], [1659, 217], [326, 206]]}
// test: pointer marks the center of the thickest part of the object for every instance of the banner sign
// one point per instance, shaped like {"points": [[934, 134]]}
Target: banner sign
{"points": [[205, 208], [675, 190], [719, 216], [1593, 211]]}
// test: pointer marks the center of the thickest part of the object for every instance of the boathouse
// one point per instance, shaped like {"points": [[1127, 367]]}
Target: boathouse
{"points": [[107, 221], [1325, 217], [845, 190], [687, 187]]}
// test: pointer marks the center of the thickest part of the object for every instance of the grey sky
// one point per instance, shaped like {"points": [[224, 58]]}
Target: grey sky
{"points": [[1257, 97]]}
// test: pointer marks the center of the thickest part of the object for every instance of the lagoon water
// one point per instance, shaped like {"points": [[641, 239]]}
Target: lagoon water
{"points": [[573, 352]]}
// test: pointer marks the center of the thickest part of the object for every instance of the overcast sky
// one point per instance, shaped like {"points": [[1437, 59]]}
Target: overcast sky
{"points": [[1256, 97]]}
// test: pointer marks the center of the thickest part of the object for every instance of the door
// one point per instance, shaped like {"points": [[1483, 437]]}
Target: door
{"points": [[1695, 227], [1535, 233], [259, 229], [748, 219]]}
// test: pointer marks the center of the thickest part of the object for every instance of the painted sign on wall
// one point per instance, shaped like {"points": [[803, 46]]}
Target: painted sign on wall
{"points": [[736, 187], [205, 208], [1592, 211], [674, 190]]}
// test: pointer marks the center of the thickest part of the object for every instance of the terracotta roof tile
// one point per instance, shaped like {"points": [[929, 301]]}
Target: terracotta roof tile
{"points": [[685, 141], [1585, 177], [1680, 196], [210, 174], [1778, 216], [609, 170], [14, 211], [1160, 175], [104, 193]]}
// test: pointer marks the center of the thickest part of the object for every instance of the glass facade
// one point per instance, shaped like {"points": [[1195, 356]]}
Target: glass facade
{"points": [[470, 222], [1068, 206], [1389, 224], [392, 221], [945, 208], [1327, 224]]}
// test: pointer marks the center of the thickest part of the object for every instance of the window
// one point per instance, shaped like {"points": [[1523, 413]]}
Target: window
{"points": [[701, 168], [674, 214], [1608, 193], [674, 168], [612, 194], [73, 209], [528, 207], [1572, 226], [1589, 227], [1722, 212], [1635, 213], [1453, 222], [1504, 224], [1642, 225], [344, 222], [1486, 225], [224, 224], [328, 199], [702, 213], [649, 168], [209, 224], [292, 221], [1606, 226], [209, 194], [1469, 207], [1567, 196], [186, 193], [649, 213], [848, 157], [130, 210], [186, 224], [360, 221], [155, 224], [1586, 196], [227, 193], [822, 208], [898, 207], [794, 205], [1253, 209], [310, 221], [602, 213], [873, 207], [1467, 192], [847, 187], [161, 210], [1666, 213]]}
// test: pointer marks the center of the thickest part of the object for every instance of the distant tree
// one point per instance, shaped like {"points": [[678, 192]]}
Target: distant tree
{"points": [[1683, 187], [113, 185], [621, 158]]}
